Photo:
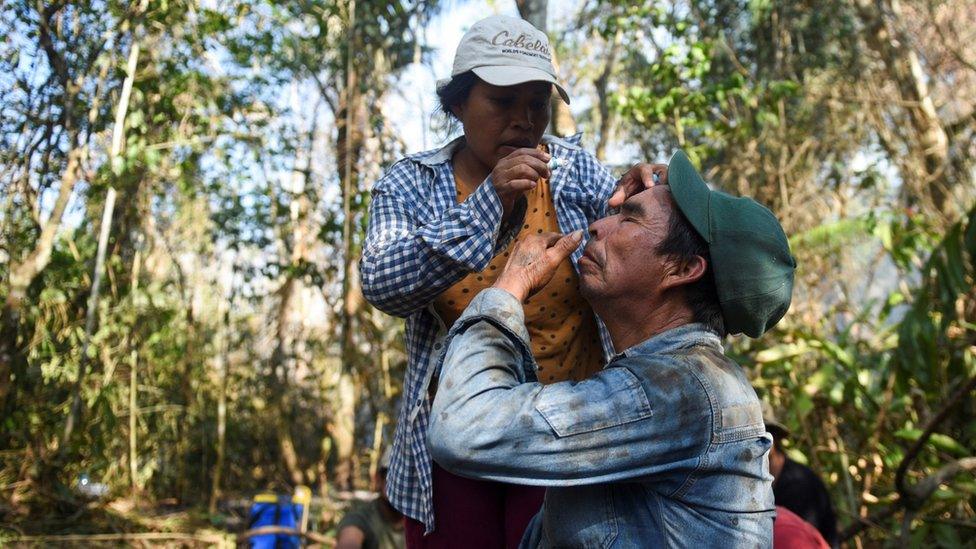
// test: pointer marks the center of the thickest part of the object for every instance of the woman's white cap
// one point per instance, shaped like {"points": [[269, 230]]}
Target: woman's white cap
{"points": [[505, 51]]}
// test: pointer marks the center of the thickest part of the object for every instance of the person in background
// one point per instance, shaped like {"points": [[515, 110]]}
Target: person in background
{"points": [[442, 223], [792, 532], [373, 525], [796, 487]]}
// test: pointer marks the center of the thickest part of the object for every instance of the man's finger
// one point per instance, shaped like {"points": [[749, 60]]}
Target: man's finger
{"points": [[565, 246], [550, 238]]}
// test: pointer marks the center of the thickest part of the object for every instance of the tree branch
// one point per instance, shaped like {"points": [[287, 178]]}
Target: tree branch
{"points": [[901, 484], [57, 62], [911, 498], [927, 486]]}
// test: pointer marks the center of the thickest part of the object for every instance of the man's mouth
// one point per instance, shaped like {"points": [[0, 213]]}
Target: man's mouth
{"points": [[591, 257]]}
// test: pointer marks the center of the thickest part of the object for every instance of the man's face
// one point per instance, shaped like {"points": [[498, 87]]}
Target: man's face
{"points": [[620, 258]]}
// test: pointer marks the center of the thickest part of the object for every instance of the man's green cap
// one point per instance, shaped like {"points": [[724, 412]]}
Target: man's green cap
{"points": [[751, 260]]}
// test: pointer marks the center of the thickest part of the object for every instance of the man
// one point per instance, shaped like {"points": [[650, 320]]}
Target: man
{"points": [[374, 525], [666, 445], [796, 487]]}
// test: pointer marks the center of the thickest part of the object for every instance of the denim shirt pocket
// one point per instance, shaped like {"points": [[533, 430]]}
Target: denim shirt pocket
{"points": [[611, 398]]}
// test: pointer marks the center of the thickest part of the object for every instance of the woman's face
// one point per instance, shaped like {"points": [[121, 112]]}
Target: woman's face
{"points": [[499, 119]]}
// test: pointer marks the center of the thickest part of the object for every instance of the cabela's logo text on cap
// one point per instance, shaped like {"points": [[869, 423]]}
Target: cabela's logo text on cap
{"points": [[522, 42]]}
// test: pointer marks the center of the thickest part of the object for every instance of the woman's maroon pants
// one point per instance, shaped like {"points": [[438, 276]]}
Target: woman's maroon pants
{"points": [[475, 514]]}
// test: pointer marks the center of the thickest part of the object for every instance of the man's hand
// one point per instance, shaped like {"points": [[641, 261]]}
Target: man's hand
{"points": [[533, 262], [517, 173], [640, 177]]}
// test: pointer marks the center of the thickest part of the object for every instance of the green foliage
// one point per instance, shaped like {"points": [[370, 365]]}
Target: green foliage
{"points": [[229, 234], [881, 329]]}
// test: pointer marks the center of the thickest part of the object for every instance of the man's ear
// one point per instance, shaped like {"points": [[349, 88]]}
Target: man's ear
{"points": [[686, 271]]}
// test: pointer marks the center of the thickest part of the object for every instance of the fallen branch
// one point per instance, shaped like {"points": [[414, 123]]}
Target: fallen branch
{"points": [[265, 530], [142, 536]]}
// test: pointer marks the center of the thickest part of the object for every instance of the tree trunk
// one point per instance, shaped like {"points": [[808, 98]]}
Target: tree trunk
{"points": [[342, 430], [279, 384], [91, 316], [603, 100], [221, 350], [133, 393], [349, 143], [23, 272], [536, 12], [887, 37]]}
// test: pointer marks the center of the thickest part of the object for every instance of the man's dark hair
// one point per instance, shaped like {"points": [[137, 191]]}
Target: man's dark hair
{"points": [[456, 91], [683, 243]]}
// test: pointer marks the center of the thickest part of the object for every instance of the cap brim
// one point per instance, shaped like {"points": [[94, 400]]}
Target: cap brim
{"points": [[778, 430], [510, 76], [690, 193]]}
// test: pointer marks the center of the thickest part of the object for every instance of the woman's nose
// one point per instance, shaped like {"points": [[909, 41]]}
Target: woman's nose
{"points": [[523, 119]]}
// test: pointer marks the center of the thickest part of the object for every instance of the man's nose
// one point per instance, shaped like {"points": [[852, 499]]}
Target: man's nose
{"points": [[597, 228]]}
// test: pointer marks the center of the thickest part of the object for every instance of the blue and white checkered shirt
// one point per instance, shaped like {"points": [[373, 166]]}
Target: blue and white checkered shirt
{"points": [[419, 243]]}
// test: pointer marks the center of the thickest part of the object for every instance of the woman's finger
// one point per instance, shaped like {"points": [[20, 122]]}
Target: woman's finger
{"points": [[525, 151]]}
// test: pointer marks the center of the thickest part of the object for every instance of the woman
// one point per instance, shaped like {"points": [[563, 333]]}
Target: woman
{"points": [[440, 227]]}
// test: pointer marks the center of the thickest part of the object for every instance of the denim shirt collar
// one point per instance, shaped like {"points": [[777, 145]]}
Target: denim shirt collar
{"points": [[669, 341], [439, 156]]}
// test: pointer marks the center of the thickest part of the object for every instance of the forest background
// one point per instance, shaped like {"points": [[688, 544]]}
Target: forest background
{"points": [[219, 156]]}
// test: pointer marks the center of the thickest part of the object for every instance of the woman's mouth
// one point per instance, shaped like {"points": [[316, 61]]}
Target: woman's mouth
{"points": [[514, 144]]}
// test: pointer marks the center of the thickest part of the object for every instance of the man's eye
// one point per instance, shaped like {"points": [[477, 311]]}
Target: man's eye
{"points": [[538, 105], [504, 101]]}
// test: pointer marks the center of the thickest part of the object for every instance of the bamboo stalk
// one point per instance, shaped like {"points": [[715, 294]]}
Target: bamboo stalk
{"points": [[118, 131]]}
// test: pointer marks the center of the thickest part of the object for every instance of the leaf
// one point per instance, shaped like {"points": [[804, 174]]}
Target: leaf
{"points": [[938, 440], [802, 405], [782, 351], [948, 444]]}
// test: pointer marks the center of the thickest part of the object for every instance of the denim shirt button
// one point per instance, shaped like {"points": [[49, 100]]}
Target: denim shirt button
{"points": [[437, 346]]}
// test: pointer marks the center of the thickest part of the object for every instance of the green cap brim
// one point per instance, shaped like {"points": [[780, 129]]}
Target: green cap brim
{"points": [[690, 193]]}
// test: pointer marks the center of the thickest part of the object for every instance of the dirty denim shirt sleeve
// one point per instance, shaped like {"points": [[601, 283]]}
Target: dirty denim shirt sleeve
{"points": [[412, 255], [492, 420]]}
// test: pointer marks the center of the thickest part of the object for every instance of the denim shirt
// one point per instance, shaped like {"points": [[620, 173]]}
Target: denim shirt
{"points": [[665, 447]]}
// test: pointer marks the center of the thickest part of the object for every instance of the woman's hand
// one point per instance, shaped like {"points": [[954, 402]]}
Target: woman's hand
{"points": [[533, 262], [639, 178], [517, 173]]}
